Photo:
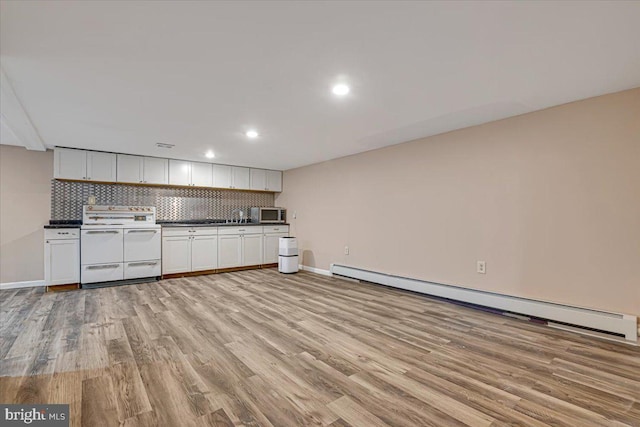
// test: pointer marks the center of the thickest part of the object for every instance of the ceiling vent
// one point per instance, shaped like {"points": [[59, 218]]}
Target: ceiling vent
{"points": [[163, 145]]}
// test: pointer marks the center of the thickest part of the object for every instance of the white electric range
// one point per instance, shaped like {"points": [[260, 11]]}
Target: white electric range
{"points": [[119, 243]]}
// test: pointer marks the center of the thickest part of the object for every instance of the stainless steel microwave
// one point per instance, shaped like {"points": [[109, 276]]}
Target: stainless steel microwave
{"points": [[269, 215]]}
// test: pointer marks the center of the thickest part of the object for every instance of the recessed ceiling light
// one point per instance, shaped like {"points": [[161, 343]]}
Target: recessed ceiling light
{"points": [[340, 89], [252, 134], [209, 154]]}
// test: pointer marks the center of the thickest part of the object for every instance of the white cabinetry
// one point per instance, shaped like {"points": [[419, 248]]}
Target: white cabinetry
{"points": [[190, 173], [266, 180], [240, 246], [84, 165], [61, 256], [274, 181], [222, 176], [258, 179], [142, 170], [187, 249], [240, 178], [272, 235], [235, 177]]}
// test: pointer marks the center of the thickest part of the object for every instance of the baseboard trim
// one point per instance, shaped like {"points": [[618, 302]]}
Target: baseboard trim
{"points": [[316, 270], [614, 323], [25, 284]]}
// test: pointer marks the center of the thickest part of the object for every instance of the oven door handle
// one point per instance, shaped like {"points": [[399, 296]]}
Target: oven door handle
{"points": [[142, 231], [136, 264], [103, 232], [102, 267]]}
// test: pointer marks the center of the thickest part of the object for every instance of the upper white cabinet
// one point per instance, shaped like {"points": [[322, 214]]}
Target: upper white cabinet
{"points": [[240, 178], [274, 181], [179, 172], [84, 165], [235, 177], [201, 175], [156, 171], [222, 176], [143, 170], [190, 173], [266, 180], [258, 179]]}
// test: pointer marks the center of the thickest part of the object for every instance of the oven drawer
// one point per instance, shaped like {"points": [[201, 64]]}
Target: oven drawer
{"points": [[101, 246], [142, 244], [138, 269], [101, 272]]}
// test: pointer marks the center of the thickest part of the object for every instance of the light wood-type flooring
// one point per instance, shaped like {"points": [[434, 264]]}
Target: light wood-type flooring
{"points": [[263, 349]]}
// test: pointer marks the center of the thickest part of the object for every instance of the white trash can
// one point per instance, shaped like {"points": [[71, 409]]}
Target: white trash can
{"points": [[288, 255]]}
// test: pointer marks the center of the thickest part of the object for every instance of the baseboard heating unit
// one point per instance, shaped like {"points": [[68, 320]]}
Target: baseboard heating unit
{"points": [[599, 323]]}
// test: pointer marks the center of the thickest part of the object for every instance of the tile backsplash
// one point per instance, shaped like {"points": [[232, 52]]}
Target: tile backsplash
{"points": [[172, 203]]}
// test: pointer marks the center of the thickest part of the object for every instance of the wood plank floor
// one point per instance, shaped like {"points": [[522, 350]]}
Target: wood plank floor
{"points": [[262, 349]]}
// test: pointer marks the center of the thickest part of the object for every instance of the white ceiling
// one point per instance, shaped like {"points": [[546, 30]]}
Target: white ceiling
{"points": [[122, 76]]}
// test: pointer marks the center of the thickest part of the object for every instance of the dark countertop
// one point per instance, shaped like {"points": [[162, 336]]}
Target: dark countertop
{"points": [[209, 224], [187, 223], [64, 224]]}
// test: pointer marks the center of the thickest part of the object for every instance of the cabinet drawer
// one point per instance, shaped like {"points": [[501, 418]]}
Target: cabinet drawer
{"points": [[276, 228], [176, 231], [252, 229], [205, 231], [61, 233], [101, 272], [138, 269]]}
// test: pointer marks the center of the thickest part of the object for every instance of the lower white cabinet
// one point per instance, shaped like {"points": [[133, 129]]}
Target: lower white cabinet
{"points": [[189, 249], [240, 246], [229, 251], [272, 235], [61, 256]]}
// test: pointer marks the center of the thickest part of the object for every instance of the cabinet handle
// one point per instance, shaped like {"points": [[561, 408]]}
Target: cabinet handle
{"points": [[135, 264], [142, 231], [102, 267], [103, 232], [61, 233]]}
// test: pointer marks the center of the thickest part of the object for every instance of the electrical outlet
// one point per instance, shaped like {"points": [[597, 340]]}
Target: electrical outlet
{"points": [[482, 267], [346, 250], [295, 214]]}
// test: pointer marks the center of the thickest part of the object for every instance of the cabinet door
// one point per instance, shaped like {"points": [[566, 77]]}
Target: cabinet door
{"points": [[176, 254], [274, 181], [204, 253], [271, 245], [129, 168], [252, 249], [179, 172], [221, 176], [240, 178], [156, 171], [101, 166], [258, 179], [201, 175], [229, 251], [69, 164], [61, 262]]}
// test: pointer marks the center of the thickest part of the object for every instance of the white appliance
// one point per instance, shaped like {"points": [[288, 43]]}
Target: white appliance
{"points": [[119, 243], [288, 255]]}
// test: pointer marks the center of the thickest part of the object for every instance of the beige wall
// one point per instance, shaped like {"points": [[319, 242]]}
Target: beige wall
{"points": [[25, 183], [550, 200]]}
